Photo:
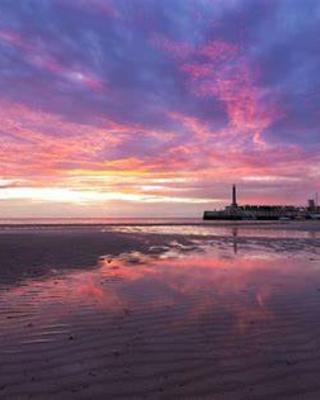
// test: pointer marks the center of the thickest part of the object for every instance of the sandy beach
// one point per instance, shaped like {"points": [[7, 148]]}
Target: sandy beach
{"points": [[160, 312]]}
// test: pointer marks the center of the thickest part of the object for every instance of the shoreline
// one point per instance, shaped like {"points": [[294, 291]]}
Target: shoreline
{"points": [[213, 223], [33, 252]]}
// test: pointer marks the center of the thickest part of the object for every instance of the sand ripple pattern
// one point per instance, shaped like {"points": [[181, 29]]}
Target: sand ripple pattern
{"points": [[199, 326]]}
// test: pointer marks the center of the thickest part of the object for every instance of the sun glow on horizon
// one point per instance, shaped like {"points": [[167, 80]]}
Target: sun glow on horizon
{"points": [[84, 196]]}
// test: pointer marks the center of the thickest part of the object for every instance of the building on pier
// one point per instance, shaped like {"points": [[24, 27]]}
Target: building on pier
{"points": [[263, 212]]}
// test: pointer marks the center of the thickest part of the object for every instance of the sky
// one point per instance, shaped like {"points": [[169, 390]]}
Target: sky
{"points": [[153, 108]]}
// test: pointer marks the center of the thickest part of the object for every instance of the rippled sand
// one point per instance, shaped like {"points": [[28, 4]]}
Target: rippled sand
{"points": [[159, 315]]}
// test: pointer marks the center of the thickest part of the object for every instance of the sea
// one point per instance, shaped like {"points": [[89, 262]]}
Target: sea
{"points": [[100, 221], [172, 226]]}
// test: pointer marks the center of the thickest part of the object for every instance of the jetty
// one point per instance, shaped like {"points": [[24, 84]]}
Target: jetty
{"points": [[263, 212]]}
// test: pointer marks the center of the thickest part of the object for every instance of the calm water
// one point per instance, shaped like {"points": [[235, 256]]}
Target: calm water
{"points": [[136, 221], [169, 226], [97, 221]]}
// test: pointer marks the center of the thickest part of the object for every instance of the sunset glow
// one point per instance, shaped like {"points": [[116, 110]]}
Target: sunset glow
{"points": [[154, 108]]}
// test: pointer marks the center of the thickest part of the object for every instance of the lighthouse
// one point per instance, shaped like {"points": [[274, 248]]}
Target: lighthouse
{"points": [[234, 197]]}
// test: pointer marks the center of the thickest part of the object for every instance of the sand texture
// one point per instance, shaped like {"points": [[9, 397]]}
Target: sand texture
{"points": [[143, 313]]}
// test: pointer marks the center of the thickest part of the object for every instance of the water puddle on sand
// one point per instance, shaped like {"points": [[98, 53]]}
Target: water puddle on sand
{"points": [[180, 320]]}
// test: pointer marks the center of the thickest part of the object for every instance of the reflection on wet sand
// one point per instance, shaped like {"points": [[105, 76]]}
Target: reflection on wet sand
{"points": [[235, 241], [192, 320]]}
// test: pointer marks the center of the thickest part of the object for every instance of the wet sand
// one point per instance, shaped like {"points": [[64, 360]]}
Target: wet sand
{"points": [[137, 313]]}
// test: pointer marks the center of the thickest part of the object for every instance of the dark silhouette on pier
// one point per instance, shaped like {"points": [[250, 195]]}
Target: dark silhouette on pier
{"points": [[263, 212]]}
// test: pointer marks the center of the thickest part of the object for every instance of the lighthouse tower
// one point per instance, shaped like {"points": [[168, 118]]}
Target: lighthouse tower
{"points": [[234, 197]]}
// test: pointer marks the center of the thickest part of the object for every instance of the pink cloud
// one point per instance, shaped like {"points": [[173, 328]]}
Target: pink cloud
{"points": [[218, 51], [12, 38], [43, 150], [175, 49], [225, 75], [30, 149], [37, 54]]}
